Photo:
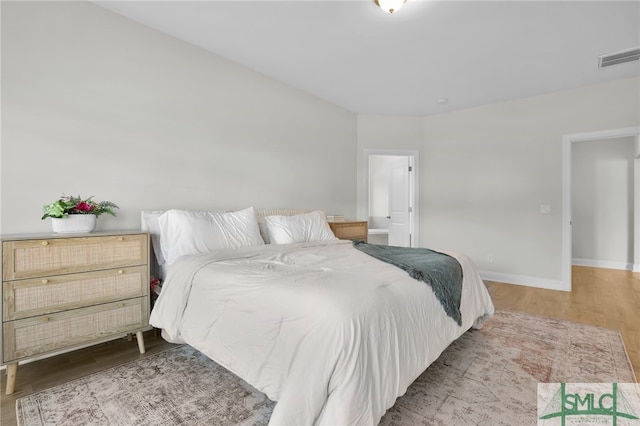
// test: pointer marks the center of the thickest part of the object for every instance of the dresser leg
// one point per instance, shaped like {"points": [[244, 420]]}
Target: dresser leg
{"points": [[12, 371], [140, 340]]}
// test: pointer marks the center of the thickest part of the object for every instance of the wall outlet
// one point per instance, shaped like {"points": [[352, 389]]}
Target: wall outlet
{"points": [[490, 258]]}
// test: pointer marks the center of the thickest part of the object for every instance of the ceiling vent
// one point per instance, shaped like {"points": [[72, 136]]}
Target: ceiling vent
{"points": [[621, 57]]}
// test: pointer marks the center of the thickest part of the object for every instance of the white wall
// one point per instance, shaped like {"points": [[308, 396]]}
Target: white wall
{"points": [[484, 172], [95, 104], [603, 206]]}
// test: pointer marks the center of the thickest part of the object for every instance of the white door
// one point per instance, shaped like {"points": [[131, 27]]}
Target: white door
{"points": [[399, 209]]}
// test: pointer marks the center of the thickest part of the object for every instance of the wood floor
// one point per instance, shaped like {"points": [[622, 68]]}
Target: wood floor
{"points": [[601, 297]]}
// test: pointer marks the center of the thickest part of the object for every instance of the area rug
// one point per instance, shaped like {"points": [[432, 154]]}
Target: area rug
{"points": [[487, 377]]}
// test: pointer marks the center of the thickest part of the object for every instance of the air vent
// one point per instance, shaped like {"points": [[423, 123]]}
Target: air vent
{"points": [[621, 57]]}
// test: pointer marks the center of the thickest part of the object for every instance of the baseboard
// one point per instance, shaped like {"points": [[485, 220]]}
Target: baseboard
{"points": [[636, 267], [607, 264], [524, 280]]}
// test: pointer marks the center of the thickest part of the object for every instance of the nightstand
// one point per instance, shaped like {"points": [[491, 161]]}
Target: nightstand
{"points": [[63, 292], [350, 230]]}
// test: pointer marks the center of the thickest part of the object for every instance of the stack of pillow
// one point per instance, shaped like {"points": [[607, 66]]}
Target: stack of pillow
{"points": [[177, 233]]}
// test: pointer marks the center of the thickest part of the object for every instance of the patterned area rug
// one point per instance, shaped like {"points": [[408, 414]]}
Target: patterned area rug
{"points": [[487, 377]]}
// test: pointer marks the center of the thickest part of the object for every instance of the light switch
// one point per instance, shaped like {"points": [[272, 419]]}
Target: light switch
{"points": [[545, 209]]}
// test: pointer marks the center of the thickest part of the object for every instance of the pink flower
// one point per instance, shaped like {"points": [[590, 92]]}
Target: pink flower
{"points": [[83, 207], [154, 282]]}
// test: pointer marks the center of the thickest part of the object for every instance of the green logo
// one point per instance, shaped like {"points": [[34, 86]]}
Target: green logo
{"points": [[590, 400]]}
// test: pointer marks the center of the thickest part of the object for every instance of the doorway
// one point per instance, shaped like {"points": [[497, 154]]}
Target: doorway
{"points": [[568, 142], [390, 197], [602, 203]]}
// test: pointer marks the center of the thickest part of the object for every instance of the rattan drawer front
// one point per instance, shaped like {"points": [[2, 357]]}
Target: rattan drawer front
{"points": [[350, 230], [38, 258], [39, 296], [39, 335]]}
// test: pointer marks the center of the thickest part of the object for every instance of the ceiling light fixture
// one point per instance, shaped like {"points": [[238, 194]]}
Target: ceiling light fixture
{"points": [[390, 6]]}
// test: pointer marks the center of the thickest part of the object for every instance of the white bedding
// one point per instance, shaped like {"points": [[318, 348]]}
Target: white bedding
{"points": [[332, 334]]}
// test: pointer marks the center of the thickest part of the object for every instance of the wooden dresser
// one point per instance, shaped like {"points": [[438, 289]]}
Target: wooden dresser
{"points": [[65, 291], [350, 230]]}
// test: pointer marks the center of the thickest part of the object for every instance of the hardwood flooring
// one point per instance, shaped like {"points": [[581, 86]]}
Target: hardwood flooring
{"points": [[602, 297]]}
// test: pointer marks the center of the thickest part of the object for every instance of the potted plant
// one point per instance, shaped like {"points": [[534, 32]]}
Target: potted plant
{"points": [[71, 214]]}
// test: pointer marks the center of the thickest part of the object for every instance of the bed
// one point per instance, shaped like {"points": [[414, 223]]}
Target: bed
{"points": [[332, 334]]}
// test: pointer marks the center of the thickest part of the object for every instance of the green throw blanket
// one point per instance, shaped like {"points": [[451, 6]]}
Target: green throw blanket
{"points": [[442, 272]]}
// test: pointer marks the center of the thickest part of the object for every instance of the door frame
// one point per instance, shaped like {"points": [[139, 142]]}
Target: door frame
{"points": [[414, 216], [636, 208], [567, 144]]}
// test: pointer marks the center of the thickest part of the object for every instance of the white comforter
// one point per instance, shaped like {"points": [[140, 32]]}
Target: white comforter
{"points": [[332, 334]]}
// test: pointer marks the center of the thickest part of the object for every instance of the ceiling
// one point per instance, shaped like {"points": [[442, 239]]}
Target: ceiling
{"points": [[352, 54]]}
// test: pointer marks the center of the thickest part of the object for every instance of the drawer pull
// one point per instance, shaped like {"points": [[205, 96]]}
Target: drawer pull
{"points": [[45, 243], [120, 238], [120, 272], [45, 281], [45, 319]]}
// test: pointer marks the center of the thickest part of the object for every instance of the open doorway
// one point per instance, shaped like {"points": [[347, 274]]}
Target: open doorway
{"points": [[390, 197], [603, 203], [567, 196]]}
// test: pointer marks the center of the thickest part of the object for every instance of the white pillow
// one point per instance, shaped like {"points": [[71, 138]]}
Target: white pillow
{"points": [[191, 232], [264, 232], [298, 228], [149, 223]]}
